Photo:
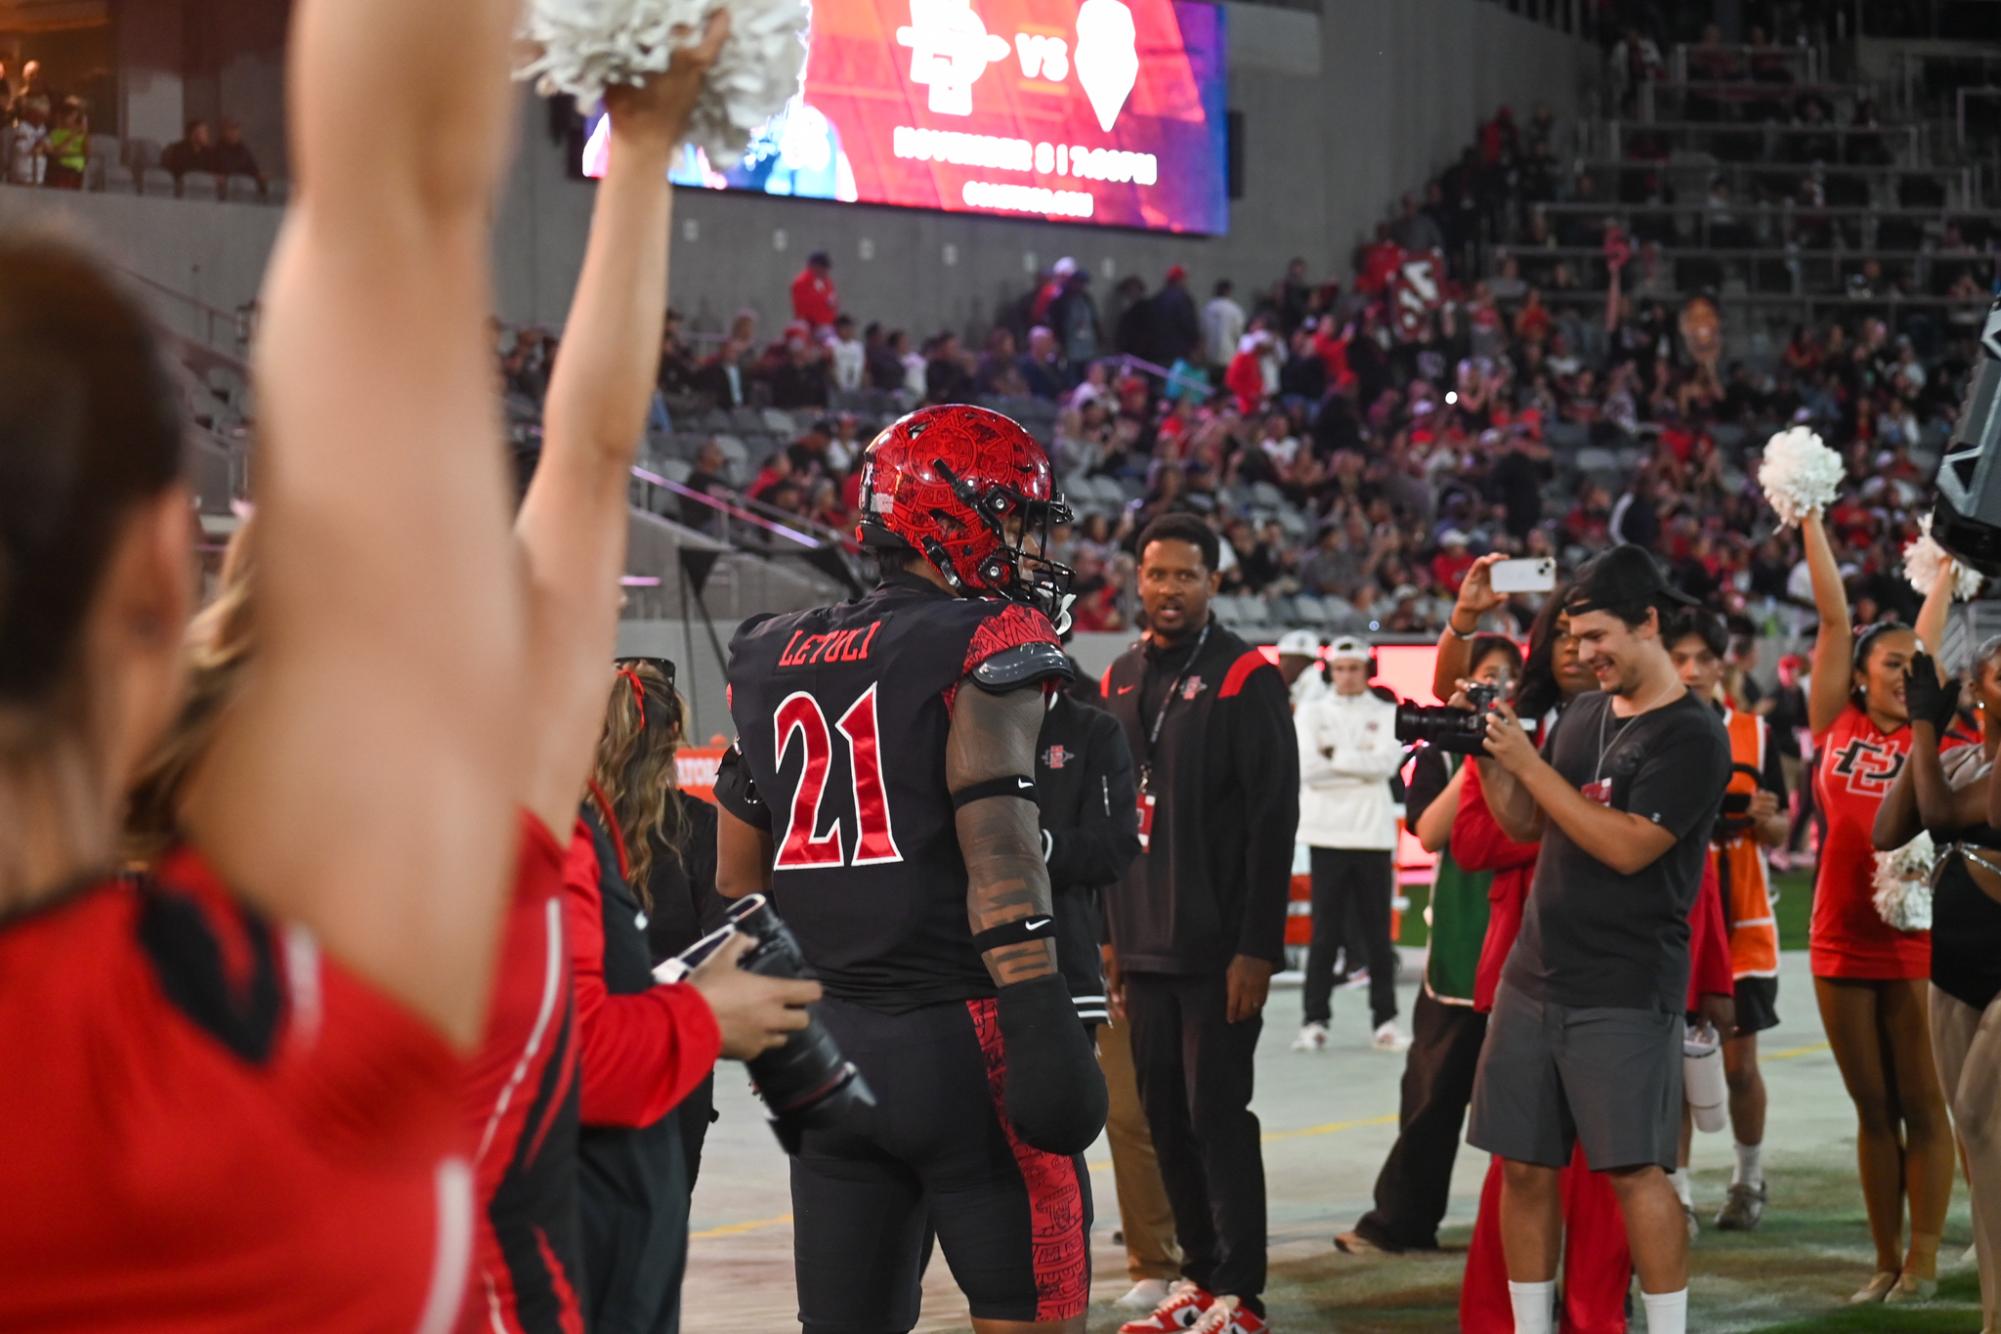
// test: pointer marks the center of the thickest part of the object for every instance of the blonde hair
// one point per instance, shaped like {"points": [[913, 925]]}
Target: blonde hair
{"points": [[219, 646], [635, 770]]}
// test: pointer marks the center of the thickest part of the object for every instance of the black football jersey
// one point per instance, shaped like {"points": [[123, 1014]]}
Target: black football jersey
{"points": [[841, 715]]}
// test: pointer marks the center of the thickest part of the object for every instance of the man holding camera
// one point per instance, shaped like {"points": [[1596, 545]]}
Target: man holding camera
{"points": [[1584, 1045], [1348, 749]]}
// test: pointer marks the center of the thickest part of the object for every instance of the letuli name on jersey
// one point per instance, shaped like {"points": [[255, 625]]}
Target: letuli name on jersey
{"points": [[803, 650]]}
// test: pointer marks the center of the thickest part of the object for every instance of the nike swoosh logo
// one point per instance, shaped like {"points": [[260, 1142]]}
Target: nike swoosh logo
{"points": [[1126, 690], [1024, 783], [1036, 923]]}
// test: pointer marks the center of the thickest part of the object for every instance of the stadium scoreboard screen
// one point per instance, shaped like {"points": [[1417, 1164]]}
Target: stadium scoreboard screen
{"points": [[1107, 111]]}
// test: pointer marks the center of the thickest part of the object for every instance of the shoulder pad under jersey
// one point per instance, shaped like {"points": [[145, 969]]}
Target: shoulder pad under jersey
{"points": [[1024, 664]]}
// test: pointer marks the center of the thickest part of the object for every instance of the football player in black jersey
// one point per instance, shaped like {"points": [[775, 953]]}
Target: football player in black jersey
{"points": [[881, 790]]}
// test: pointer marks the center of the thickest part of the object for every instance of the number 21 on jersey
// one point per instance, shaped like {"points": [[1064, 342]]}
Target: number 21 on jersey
{"points": [[803, 847]]}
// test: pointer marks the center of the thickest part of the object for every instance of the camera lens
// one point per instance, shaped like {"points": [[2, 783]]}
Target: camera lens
{"points": [[807, 1082]]}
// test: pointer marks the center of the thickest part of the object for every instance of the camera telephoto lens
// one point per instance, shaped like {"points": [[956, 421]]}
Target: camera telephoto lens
{"points": [[806, 1083]]}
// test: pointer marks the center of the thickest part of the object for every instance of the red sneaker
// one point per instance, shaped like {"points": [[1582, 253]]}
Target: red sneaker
{"points": [[1186, 1304], [1227, 1317]]}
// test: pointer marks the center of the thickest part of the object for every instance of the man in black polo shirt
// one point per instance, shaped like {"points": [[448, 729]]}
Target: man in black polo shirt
{"points": [[1584, 1045], [1198, 922]]}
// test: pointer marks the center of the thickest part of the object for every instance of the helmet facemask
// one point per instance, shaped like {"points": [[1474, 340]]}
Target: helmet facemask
{"points": [[1019, 568]]}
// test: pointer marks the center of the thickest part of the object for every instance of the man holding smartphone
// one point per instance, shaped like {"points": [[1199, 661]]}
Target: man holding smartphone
{"points": [[1584, 1045]]}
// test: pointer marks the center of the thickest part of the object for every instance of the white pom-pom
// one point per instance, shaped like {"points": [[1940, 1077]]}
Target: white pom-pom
{"points": [[583, 47], [1800, 474], [1903, 891], [1925, 563]]}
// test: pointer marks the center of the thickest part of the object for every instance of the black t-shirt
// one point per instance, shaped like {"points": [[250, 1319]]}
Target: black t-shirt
{"points": [[842, 714], [1593, 937]]}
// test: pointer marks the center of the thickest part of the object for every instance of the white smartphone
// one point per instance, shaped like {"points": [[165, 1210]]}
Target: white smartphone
{"points": [[1535, 575]]}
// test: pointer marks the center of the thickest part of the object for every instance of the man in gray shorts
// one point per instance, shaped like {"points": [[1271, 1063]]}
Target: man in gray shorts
{"points": [[1584, 1046]]}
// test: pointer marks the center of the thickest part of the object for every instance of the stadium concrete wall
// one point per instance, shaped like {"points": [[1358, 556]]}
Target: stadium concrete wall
{"points": [[1342, 110]]}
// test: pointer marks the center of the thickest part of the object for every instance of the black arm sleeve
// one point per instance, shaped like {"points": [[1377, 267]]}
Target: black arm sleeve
{"points": [[1265, 755], [1097, 851], [737, 793], [1428, 776], [711, 909], [1774, 778]]}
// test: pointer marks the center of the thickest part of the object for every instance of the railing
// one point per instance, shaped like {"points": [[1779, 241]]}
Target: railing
{"points": [[228, 332], [1727, 96], [1770, 137], [1801, 64], [750, 526], [1790, 269], [1736, 174], [1775, 221]]}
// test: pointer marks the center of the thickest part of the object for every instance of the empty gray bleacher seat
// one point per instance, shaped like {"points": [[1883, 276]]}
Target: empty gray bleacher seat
{"points": [[1595, 460], [156, 182], [141, 153], [118, 179], [241, 189], [199, 185], [733, 450], [278, 191], [777, 421], [674, 470], [1266, 496], [1310, 610]]}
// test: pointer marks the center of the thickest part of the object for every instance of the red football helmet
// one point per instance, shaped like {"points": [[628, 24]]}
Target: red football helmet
{"points": [[965, 486]]}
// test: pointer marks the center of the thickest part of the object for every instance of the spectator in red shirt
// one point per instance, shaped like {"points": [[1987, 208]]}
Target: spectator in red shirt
{"points": [[813, 297], [1449, 566]]}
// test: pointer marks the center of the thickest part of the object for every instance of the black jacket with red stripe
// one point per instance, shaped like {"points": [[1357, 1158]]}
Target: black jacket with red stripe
{"points": [[1214, 877]]}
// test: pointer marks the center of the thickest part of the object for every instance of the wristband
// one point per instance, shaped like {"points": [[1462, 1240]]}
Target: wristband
{"points": [[1010, 785], [1466, 636], [1021, 929]]}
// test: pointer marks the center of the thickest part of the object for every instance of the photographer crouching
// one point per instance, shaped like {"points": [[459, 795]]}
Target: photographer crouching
{"points": [[1584, 1046]]}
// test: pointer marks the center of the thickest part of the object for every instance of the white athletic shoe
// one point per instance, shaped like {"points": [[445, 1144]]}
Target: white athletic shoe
{"points": [[1145, 1295], [1312, 1037], [1356, 981], [1389, 1039]]}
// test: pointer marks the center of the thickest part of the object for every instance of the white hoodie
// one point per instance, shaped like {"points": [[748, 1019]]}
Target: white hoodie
{"points": [[1344, 802]]}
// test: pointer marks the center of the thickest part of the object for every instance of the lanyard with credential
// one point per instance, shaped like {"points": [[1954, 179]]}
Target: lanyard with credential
{"points": [[1160, 718]]}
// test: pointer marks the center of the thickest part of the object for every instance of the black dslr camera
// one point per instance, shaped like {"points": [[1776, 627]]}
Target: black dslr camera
{"points": [[806, 1083], [1447, 728]]}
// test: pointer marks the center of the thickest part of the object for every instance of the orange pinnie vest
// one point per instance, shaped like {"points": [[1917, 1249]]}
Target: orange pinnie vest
{"points": [[1740, 862]]}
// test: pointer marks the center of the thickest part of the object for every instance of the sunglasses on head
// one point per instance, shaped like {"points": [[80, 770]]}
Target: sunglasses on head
{"points": [[627, 670]]}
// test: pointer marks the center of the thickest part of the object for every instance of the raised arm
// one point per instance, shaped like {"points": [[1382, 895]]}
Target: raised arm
{"points": [[572, 526], [365, 784], [1835, 642], [1932, 616], [1455, 644]]}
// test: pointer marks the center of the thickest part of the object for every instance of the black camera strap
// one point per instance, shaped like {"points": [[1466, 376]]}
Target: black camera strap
{"points": [[1160, 718]]}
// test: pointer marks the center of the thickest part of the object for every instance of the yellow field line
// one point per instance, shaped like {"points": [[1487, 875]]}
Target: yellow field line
{"points": [[1272, 1137], [1794, 1053], [738, 1229]]}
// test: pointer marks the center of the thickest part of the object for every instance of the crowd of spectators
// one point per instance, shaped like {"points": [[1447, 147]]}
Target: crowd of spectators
{"points": [[1356, 454], [45, 140]]}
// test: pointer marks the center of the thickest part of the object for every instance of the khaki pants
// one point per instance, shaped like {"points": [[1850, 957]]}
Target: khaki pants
{"points": [[1144, 1214]]}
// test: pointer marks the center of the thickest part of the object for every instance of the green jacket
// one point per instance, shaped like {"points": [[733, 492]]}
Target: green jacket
{"points": [[1458, 925]]}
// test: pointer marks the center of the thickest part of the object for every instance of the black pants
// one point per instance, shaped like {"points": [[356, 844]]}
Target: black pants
{"points": [[1416, 1179], [696, 1112], [1351, 901], [1195, 1073]]}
